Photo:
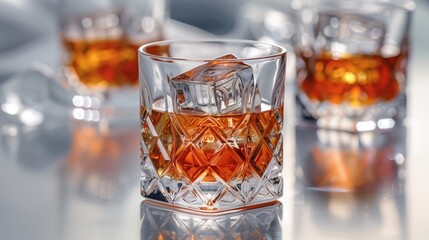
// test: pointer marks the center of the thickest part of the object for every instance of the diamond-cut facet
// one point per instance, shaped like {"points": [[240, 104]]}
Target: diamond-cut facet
{"points": [[252, 139], [211, 190], [166, 139], [261, 158], [195, 163], [209, 142], [273, 135], [272, 179], [159, 158], [226, 163], [263, 121]]}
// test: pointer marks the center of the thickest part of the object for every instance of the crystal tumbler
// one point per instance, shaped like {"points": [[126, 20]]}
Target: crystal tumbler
{"points": [[100, 62], [352, 62], [211, 120]]}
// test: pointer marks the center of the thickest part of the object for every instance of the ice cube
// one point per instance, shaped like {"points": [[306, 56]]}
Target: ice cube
{"points": [[350, 33], [217, 87]]}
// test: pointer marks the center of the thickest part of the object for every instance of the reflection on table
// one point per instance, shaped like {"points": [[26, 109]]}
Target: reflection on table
{"points": [[98, 190], [350, 185], [162, 222], [102, 158]]}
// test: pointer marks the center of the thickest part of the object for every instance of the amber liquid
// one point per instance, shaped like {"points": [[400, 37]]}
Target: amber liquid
{"points": [[104, 63], [358, 80], [211, 147]]}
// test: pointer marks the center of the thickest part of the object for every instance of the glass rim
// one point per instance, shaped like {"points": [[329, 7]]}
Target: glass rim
{"points": [[407, 6], [281, 51]]}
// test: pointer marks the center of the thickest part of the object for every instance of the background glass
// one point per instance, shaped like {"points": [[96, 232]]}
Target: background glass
{"points": [[101, 39], [352, 62], [211, 118]]}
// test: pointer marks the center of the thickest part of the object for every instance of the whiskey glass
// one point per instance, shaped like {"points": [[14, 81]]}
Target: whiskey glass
{"points": [[211, 122], [352, 59], [100, 40]]}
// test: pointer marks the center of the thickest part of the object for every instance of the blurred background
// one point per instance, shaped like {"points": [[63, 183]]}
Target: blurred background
{"points": [[25, 40], [62, 178]]}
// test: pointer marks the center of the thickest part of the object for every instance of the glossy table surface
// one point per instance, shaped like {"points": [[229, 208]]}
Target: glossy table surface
{"points": [[66, 182]]}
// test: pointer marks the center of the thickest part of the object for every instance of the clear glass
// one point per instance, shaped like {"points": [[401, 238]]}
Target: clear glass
{"points": [[100, 40], [352, 62], [211, 119]]}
